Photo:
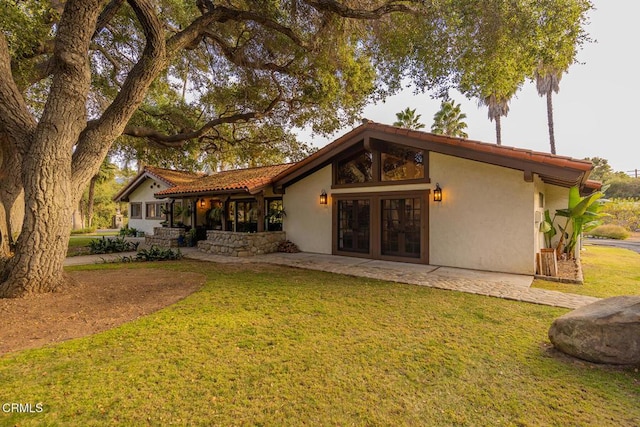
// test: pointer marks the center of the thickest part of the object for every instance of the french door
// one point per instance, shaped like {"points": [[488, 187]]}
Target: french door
{"points": [[400, 227], [389, 225], [354, 225]]}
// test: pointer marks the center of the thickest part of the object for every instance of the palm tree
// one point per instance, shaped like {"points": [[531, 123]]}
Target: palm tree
{"points": [[408, 119], [547, 82], [449, 120], [498, 107]]}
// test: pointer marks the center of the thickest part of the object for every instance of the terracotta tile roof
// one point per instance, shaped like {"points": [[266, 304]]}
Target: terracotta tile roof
{"points": [[250, 180], [172, 177], [168, 176], [440, 143]]}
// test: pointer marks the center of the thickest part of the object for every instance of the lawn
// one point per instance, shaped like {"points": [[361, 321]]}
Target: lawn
{"points": [[281, 346], [607, 272], [79, 245]]}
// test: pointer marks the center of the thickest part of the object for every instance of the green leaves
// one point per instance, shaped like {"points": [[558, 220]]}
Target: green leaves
{"points": [[449, 120], [582, 212], [407, 118]]}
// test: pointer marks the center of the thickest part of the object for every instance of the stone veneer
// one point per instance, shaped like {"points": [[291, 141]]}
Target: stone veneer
{"points": [[165, 237], [241, 244]]}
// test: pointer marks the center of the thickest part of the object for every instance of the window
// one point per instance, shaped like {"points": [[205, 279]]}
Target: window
{"points": [[247, 214], [274, 214], [135, 210], [385, 163], [357, 168], [401, 164], [154, 210]]}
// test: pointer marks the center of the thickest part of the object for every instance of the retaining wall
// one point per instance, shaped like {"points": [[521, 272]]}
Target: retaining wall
{"points": [[241, 244]]}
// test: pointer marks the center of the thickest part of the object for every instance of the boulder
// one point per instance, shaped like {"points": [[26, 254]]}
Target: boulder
{"points": [[606, 331]]}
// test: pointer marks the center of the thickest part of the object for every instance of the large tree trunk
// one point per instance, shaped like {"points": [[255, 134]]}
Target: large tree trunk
{"points": [[552, 138], [62, 151], [10, 196], [41, 248]]}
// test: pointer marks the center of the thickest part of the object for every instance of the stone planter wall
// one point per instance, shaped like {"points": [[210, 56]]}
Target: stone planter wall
{"points": [[165, 237], [241, 244]]}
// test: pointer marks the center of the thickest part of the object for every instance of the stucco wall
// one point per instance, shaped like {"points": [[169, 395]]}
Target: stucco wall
{"points": [[556, 198], [308, 223], [485, 219], [144, 194]]}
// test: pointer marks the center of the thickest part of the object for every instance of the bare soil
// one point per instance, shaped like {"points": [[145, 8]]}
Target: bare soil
{"points": [[94, 301], [569, 270]]}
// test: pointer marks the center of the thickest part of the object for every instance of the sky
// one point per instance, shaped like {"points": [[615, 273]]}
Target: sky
{"points": [[595, 112]]}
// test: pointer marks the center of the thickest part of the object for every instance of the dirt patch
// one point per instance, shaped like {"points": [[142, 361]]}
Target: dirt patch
{"points": [[95, 302]]}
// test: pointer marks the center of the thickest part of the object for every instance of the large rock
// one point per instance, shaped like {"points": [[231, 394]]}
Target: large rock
{"points": [[607, 331]]}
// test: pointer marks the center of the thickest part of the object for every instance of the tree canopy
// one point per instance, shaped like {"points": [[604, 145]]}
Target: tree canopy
{"points": [[77, 75]]}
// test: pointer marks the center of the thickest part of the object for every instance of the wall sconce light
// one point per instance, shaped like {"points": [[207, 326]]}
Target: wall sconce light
{"points": [[437, 193], [202, 203], [323, 198]]}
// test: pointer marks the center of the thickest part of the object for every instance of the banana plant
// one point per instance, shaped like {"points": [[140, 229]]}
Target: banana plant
{"points": [[548, 228], [582, 213]]}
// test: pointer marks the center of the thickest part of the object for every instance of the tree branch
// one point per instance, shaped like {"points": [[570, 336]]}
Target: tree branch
{"points": [[177, 140], [197, 29], [237, 56], [43, 67], [15, 119], [347, 12], [96, 139]]}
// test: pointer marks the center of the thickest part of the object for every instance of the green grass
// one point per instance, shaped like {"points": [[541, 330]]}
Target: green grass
{"points": [[607, 272], [79, 245], [281, 346]]}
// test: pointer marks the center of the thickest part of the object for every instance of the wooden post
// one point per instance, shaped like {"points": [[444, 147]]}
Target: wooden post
{"points": [[548, 262], [171, 213], [260, 199]]}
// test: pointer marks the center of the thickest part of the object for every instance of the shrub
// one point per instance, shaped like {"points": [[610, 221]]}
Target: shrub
{"points": [[610, 231], [623, 212], [109, 246], [128, 232], [156, 253]]}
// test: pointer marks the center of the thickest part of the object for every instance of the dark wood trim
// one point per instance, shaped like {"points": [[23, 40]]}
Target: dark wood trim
{"points": [[171, 202], [322, 159], [334, 224], [552, 173], [375, 250], [139, 204], [260, 199], [376, 146], [566, 176]]}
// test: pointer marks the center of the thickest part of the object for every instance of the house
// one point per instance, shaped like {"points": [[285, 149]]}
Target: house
{"points": [[389, 193], [403, 195], [145, 210]]}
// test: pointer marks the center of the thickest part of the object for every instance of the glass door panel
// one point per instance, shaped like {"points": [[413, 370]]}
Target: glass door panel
{"points": [[400, 227], [354, 220]]}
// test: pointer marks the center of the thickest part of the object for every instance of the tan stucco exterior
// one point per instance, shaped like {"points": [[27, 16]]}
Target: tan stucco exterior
{"points": [[308, 223], [144, 194], [485, 219]]}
